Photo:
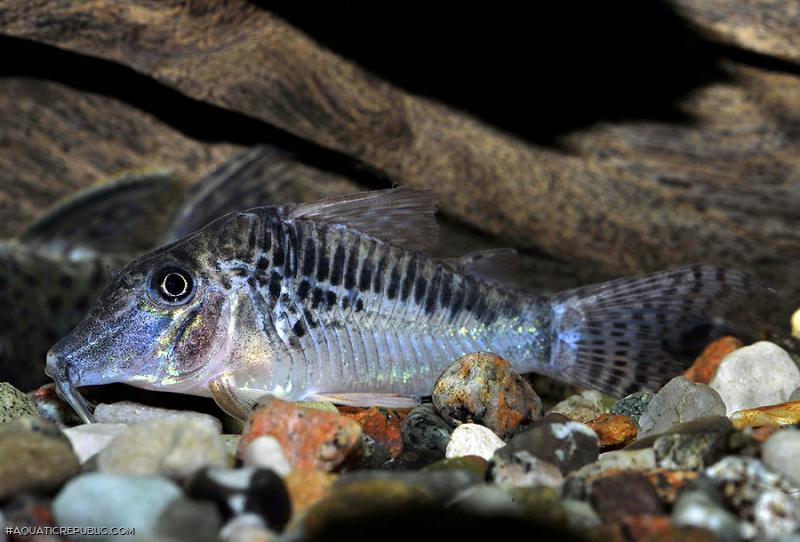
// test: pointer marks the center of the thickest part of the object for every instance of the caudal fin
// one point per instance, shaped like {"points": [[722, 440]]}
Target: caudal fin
{"points": [[621, 336]]}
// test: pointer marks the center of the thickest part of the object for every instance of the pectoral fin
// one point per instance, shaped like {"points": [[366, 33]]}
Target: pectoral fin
{"points": [[236, 402], [387, 400]]}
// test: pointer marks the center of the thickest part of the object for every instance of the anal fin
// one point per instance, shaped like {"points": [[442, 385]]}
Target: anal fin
{"points": [[387, 400]]}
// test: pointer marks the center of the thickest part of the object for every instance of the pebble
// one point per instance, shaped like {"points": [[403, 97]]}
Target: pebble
{"points": [[766, 502], [486, 500], [14, 403], [633, 405], [482, 388], [306, 487], [795, 396], [423, 430], [170, 447], [696, 508], [311, 438], [521, 469], [780, 414], [34, 456], [89, 439], [706, 424], [189, 520], [780, 453], [613, 430], [439, 484], [382, 425], [692, 451], [580, 514], [51, 407], [625, 494], [540, 503], [796, 324], [567, 445], [705, 366], [129, 412], [244, 491], [246, 528], [669, 483], [478, 466], [584, 406], [266, 452], [679, 401], [756, 375], [116, 501], [473, 439], [352, 503]]}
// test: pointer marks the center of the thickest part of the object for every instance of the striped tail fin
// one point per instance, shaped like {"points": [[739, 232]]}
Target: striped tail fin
{"points": [[621, 336]]}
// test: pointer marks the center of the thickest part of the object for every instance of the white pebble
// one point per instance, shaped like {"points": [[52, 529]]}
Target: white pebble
{"points": [[796, 324], [266, 452], [473, 439], [780, 454], [130, 412], [756, 375], [89, 439]]}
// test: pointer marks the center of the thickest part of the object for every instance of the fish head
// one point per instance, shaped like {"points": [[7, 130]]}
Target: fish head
{"points": [[157, 325]]}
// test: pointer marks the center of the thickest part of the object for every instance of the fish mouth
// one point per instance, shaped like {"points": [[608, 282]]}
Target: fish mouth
{"points": [[59, 372]]}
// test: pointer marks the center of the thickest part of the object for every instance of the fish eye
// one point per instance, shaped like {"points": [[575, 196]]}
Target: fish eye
{"points": [[172, 285]]}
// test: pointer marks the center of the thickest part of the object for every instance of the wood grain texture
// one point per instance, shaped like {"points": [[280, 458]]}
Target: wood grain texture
{"points": [[768, 27], [55, 140], [634, 197]]}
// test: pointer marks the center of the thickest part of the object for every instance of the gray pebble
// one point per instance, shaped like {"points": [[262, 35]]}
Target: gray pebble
{"points": [[170, 447], [633, 405], [130, 412], [14, 403], [423, 430], [113, 500], [680, 400], [781, 454], [695, 508]]}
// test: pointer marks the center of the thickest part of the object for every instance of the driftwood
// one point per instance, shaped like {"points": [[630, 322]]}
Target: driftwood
{"points": [[112, 138], [56, 140], [634, 197], [763, 26]]}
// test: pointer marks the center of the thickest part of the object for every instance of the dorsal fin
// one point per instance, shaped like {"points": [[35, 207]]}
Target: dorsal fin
{"points": [[123, 215], [491, 264], [238, 183], [401, 216]]}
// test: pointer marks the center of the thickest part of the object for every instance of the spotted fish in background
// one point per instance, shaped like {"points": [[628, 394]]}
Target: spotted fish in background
{"points": [[333, 300], [52, 273]]}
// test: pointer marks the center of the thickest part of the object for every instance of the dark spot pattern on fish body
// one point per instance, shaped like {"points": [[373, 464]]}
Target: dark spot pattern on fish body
{"points": [[316, 297], [351, 268], [446, 292], [54, 303], [408, 280], [394, 282], [471, 297], [377, 283], [275, 284], [345, 302], [330, 298], [323, 263], [292, 249], [365, 277], [262, 264], [278, 254], [359, 305], [309, 253], [433, 291], [30, 280], [338, 266], [312, 322], [299, 329], [303, 289], [458, 300], [82, 303], [419, 289]]}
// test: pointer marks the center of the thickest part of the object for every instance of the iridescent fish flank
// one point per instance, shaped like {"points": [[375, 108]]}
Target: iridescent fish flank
{"points": [[335, 300]]}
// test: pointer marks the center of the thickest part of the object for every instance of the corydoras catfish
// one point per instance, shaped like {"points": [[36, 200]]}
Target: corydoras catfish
{"points": [[333, 300]]}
